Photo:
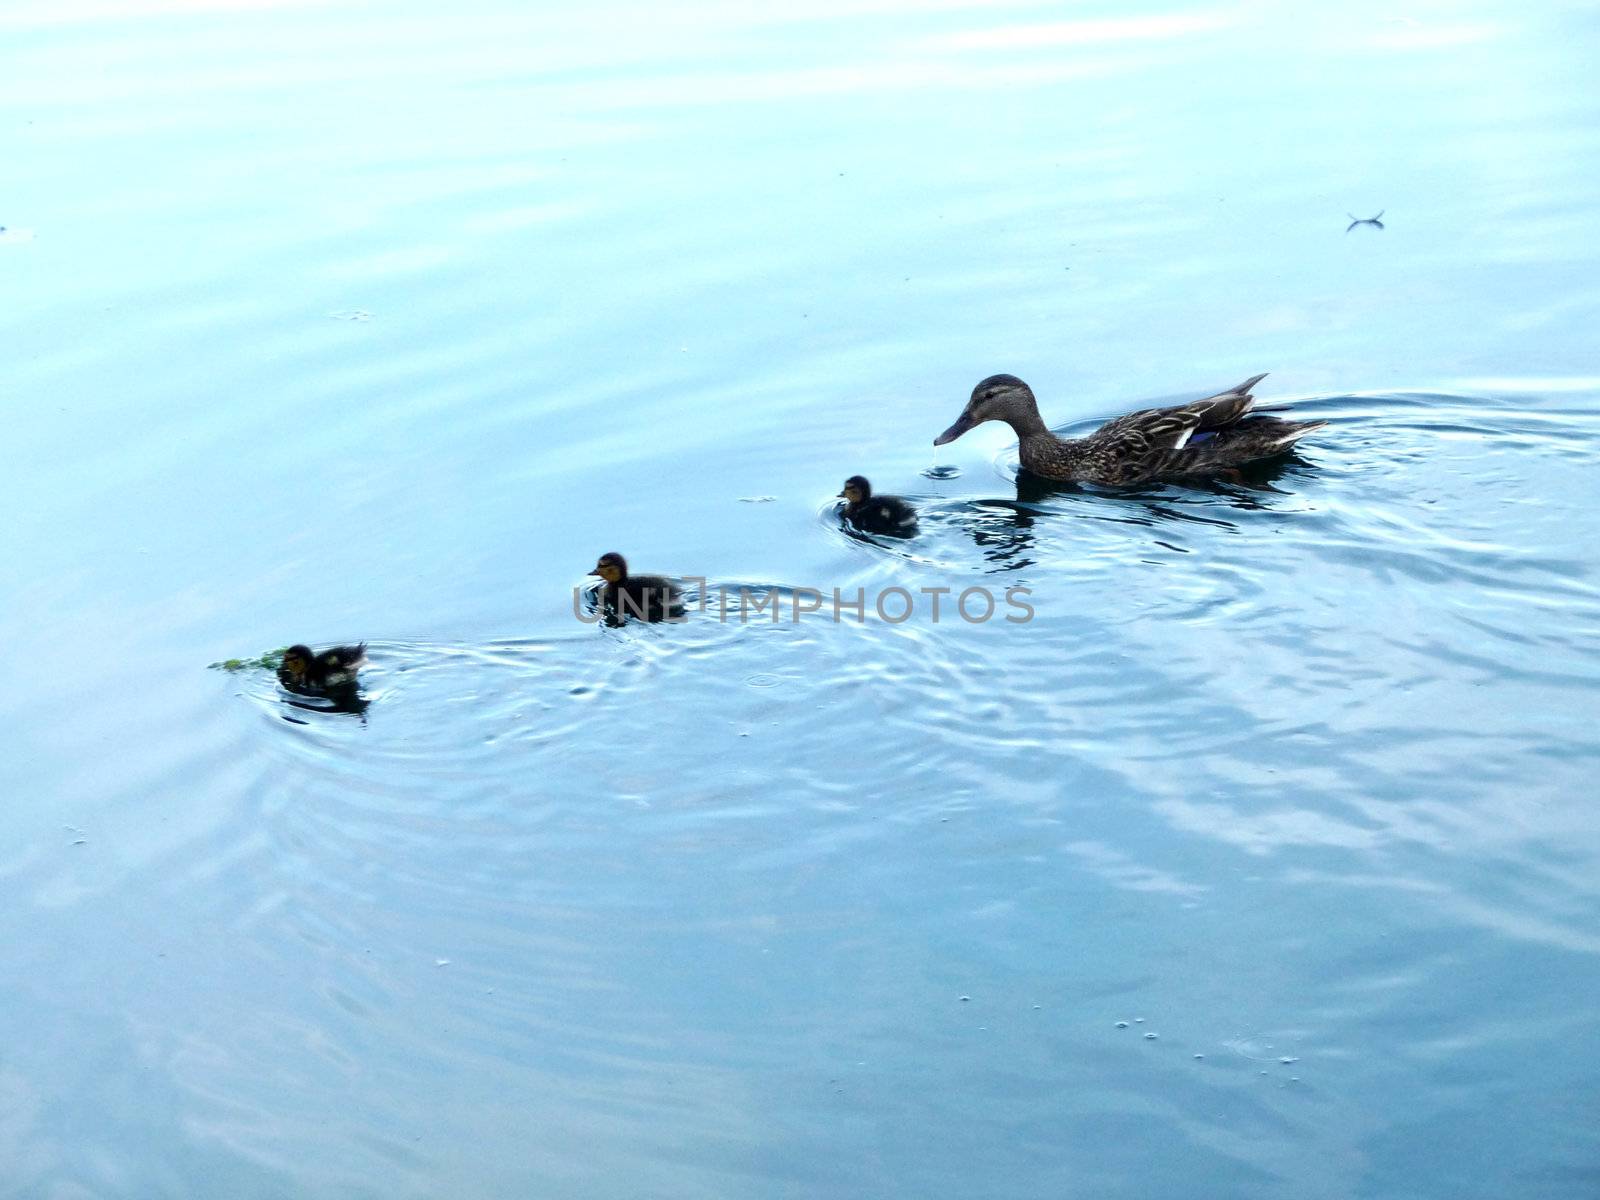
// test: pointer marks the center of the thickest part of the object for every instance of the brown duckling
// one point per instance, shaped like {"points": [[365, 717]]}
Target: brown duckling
{"points": [[1203, 437], [648, 597], [877, 514], [304, 671]]}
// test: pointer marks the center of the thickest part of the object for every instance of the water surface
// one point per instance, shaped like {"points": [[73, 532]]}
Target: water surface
{"points": [[337, 321]]}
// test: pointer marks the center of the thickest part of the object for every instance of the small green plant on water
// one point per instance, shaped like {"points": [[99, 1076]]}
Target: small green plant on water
{"points": [[269, 661]]}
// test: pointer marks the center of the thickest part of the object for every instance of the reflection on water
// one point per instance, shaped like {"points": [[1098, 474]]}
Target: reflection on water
{"points": [[335, 322], [338, 700]]}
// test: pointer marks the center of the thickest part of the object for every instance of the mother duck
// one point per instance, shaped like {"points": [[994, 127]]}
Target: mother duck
{"points": [[1203, 437]]}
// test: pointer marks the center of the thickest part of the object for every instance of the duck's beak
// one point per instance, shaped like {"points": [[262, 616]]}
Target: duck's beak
{"points": [[963, 423], [596, 570]]}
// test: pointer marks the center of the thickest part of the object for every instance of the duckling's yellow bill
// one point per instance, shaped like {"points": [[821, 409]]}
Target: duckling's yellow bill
{"points": [[963, 423]]}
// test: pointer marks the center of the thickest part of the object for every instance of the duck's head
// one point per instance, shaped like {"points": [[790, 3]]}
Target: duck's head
{"points": [[856, 490], [296, 660], [613, 568], [997, 398]]}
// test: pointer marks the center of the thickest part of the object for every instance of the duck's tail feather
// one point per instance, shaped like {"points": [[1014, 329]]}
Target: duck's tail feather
{"points": [[1248, 383], [1294, 431], [1229, 407]]}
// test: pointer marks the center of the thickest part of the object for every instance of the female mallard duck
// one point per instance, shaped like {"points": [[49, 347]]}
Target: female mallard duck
{"points": [[648, 597], [877, 514], [1199, 438], [335, 668]]}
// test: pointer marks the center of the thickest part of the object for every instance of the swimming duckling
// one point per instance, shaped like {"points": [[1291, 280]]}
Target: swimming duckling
{"points": [[877, 514], [648, 597], [1203, 437], [304, 671]]}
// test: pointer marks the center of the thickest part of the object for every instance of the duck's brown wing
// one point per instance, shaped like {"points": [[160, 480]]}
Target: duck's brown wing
{"points": [[1147, 443], [1162, 429], [1247, 441]]}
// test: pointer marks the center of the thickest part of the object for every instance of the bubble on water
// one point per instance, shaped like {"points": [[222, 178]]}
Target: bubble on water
{"points": [[1138, 1020], [942, 473], [351, 314], [1122, 1024], [763, 681], [1150, 1037], [756, 499], [1287, 1059], [1199, 1056], [965, 998]]}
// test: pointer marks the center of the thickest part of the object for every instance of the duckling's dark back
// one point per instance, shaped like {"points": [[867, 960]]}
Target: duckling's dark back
{"points": [[892, 515]]}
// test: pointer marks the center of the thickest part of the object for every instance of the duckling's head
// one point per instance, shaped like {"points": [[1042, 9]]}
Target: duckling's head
{"points": [[296, 660], [613, 568], [997, 398], [856, 490]]}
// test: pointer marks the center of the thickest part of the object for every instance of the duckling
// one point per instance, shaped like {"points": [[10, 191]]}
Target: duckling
{"points": [[304, 671], [1203, 437], [877, 514], [648, 597]]}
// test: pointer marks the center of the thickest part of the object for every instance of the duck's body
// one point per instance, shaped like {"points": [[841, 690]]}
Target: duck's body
{"points": [[877, 514], [647, 597], [302, 670], [1203, 437]]}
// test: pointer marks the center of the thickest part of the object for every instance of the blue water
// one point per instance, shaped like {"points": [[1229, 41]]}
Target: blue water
{"points": [[329, 322]]}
